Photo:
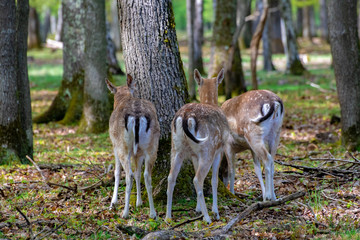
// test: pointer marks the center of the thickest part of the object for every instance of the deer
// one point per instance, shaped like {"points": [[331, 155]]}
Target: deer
{"points": [[134, 132], [199, 131], [255, 120]]}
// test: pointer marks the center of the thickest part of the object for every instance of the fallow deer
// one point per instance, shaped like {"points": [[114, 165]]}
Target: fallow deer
{"points": [[255, 119], [134, 132], [199, 132]]}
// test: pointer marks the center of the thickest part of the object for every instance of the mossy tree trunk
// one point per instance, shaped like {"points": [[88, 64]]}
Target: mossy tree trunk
{"points": [[67, 105], [293, 63], [345, 50], [223, 32], [152, 58], [97, 107], [15, 119]]}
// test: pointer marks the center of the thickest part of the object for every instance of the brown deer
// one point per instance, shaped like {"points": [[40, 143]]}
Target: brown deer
{"points": [[199, 132], [255, 119], [134, 132]]}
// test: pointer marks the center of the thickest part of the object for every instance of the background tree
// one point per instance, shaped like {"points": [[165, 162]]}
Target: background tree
{"points": [[34, 30], [345, 51], [266, 37], [223, 32], [324, 20], [16, 137], [293, 63], [190, 21], [114, 26], [68, 103], [198, 35], [97, 108]]}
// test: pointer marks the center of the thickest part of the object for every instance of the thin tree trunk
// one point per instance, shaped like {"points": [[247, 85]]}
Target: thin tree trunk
{"points": [[68, 103], [111, 58], [59, 25], [254, 45], [190, 19], [345, 50], [198, 36], [293, 63], [15, 118], [46, 26], [97, 108], [324, 20], [34, 30], [299, 22], [115, 28], [266, 39]]}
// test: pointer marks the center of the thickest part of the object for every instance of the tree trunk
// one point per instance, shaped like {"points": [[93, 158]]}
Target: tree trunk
{"points": [[34, 40], [274, 21], [97, 107], [46, 26], [324, 20], [111, 59], [157, 70], [114, 26], [190, 19], [222, 51], [59, 25], [15, 121], [359, 18], [266, 39], [198, 36], [293, 63], [299, 22], [53, 24], [254, 45], [345, 50], [68, 103]]}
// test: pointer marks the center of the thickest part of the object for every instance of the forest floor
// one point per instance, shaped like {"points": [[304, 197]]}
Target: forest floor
{"points": [[70, 199]]}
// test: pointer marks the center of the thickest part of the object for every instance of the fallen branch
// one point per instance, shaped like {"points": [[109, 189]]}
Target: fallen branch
{"points": [[131, 230], [258, 206], [167, 234], [27, 221], [322, 171], [186, 222], [37, 168]]}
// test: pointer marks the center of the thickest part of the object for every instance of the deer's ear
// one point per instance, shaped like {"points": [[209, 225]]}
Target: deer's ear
{"points": [[197, 77], [220, 76], [130, 83], [110, 86]]}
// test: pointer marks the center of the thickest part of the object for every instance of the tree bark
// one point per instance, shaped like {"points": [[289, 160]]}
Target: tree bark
{"points": [[198, 36], [34, 40], [68, 103], [293, 63], [306, 23], [190, 21], [15, 118], [345, 50], [274, 21], [97, 108]]}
